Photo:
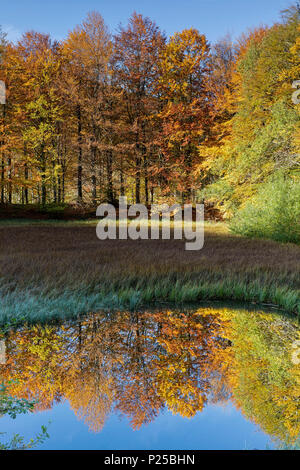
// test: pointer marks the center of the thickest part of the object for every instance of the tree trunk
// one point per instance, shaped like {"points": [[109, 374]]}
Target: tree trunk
{"points": [[26, 179], [122, 189], [93, 178], [44, 190], [110, 191], [79, 165], [9, 182], [2, 142], [138, 180], [2, 179]]}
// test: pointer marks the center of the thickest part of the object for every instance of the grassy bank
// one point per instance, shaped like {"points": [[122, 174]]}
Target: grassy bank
{"points": [[51, 269]]}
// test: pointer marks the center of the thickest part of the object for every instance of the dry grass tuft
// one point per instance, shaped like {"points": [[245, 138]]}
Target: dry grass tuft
{"points": [[65, 269]]}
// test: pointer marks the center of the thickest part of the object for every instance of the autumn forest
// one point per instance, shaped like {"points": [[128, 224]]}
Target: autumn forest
{"points": [[190, 348], [98, 115]]}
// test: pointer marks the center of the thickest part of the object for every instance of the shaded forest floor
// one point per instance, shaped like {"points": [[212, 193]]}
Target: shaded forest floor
{"points": [[71, 212], [51, 269]]}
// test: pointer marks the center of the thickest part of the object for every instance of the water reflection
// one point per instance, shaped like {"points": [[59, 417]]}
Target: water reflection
{"points": [[137, 364]]}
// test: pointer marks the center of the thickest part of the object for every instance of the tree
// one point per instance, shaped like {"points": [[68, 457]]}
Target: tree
{"points": [[136, 57], [260, 142], [87, 51], [185, 115]]}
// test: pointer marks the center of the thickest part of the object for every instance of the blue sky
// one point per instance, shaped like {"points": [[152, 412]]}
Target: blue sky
{"points": [[215, 18]]}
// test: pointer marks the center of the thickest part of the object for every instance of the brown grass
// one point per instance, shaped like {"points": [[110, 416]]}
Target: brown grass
{"points": [[52, 260]]}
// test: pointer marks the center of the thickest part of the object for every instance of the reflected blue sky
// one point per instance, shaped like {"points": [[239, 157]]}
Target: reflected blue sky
{"points": [[217, 427], [134, 368]]}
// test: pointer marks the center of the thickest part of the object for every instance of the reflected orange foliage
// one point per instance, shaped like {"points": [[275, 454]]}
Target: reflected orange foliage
{"points": [[139, 363]]}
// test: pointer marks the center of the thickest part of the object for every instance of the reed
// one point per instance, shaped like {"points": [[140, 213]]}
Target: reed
{"points": [[58, 270]]}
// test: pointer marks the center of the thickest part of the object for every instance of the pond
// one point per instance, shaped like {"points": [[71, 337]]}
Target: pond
{"points": [[191, 378]]}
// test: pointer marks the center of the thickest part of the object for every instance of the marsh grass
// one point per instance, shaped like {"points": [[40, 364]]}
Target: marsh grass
{"points": [[62, 270]]}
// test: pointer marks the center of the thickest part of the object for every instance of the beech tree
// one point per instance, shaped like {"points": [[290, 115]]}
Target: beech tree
{"points": [[88, 49], [136, 57], [183, 82]]}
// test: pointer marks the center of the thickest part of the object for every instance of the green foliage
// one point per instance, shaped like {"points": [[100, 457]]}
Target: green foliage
{"points": [[13, 406], [273, 213], [262, 138], [18, 442], [266, 382]]}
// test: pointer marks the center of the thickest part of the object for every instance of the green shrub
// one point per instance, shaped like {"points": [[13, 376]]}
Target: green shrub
{"points": [[274, 212]]}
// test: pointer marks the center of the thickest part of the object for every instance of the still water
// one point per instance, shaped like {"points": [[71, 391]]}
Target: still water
{"points": [[208, 378]]}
